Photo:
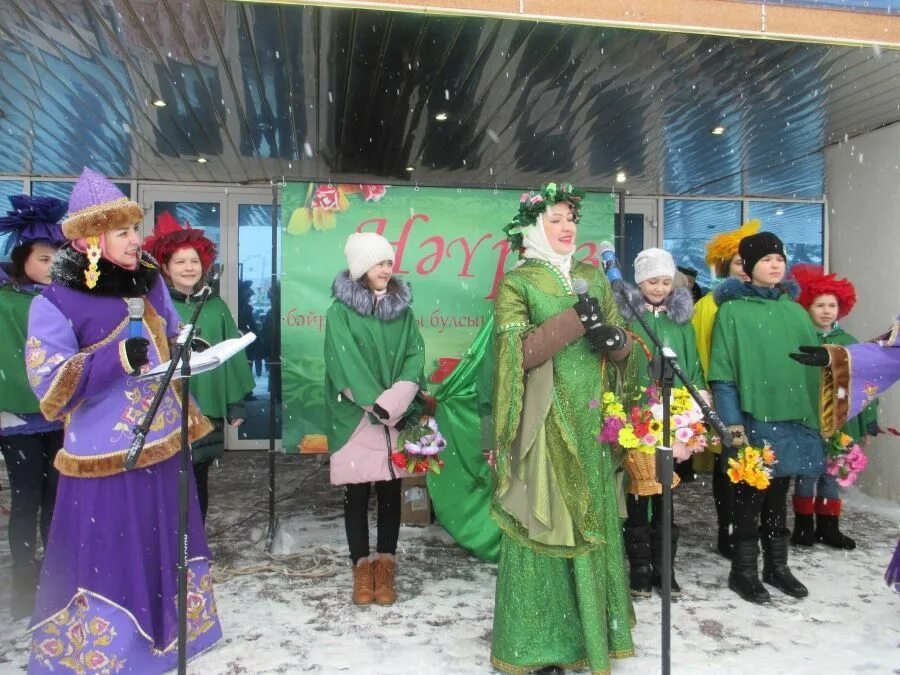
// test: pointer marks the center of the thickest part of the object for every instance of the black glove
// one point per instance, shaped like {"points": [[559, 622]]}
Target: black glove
{"points": [[604, 338], [812, 356], [380, 412], [136, 352], [588, 311], [199, 345]]}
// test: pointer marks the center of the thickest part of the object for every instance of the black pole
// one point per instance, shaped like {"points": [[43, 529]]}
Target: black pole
{"points": [[183, 497], [619, 233], [181, 354], [668, 370], [274, 361]]}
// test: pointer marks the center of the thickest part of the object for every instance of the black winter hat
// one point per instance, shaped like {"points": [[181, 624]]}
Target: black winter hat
{"points": [[757, 246]]}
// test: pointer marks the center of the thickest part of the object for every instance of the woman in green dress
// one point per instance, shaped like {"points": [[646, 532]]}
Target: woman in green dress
{"points": [[185, 255], [562, 598]]}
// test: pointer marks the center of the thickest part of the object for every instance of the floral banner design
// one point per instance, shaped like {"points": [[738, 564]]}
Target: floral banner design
{"points": [[450, 247]]}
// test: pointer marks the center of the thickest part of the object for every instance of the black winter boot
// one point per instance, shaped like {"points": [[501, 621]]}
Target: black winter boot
{"points": [[803, 530], [744, 578], [638, 547], [829, 533], [775, 568], [724, 540], [22, 590], [657, 560]]}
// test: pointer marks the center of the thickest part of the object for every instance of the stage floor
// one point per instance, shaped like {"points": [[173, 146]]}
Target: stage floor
{"points": [[441, 623]]}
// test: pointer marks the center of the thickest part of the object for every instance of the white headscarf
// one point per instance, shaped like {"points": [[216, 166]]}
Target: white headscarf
{"points": [[537, 246]]}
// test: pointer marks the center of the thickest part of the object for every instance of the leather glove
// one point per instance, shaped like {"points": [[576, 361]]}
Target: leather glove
{"points": [[136, 351], [606, 338], [738, 437], [199, 345], [812, 356]]}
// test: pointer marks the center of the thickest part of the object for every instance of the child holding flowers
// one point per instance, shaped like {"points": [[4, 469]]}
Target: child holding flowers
{"points": [[762, 395], [828, 299], [374, 361], [668, 311]]}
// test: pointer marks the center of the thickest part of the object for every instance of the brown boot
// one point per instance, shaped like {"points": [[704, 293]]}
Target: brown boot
{"points": [[384, 580], [363, 583]]}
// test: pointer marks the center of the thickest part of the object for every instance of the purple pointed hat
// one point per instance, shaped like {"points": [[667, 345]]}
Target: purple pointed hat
{"points": [[97, 206]]}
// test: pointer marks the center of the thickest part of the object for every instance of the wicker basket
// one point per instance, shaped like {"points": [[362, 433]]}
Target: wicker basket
{"points": [[641, 469]]}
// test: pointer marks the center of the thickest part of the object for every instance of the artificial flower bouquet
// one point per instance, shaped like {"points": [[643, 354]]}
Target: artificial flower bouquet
{"points": [[844, 459], [641, 428], [418, 447], [752, 466]]}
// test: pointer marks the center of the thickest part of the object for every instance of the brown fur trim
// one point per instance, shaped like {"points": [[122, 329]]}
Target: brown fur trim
{"points": [[102, 218], [835, 390], [98, 466], [63, 387]]}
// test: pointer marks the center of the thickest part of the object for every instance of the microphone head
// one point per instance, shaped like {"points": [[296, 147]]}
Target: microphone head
{"points": [[135, 309], [580, 286]]}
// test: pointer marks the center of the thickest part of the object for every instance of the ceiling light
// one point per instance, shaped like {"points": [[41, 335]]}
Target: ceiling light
{"points": [[410, 169], [621, 177], [202, 160], [717, 130], [441, 117], [159, 103]]}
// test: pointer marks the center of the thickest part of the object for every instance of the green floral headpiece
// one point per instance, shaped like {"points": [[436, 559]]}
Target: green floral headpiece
{"points": [[532, 205]]}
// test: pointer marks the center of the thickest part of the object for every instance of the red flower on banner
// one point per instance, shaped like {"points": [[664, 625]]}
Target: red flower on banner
{"points": [[373, 193], [327, 197]]}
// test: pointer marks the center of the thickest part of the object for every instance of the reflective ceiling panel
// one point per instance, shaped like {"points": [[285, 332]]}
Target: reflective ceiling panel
{"points": [[263, 91]]}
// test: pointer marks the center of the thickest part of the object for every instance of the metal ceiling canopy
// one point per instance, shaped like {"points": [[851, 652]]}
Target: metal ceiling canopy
{"points": [[262, 91]]}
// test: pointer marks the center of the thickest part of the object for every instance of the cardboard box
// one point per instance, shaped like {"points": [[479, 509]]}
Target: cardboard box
{"points": [[415, 505]]}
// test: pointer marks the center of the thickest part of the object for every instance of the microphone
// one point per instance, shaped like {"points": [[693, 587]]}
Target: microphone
{"points": [[580, 286], [135, 317], [611, 266]]}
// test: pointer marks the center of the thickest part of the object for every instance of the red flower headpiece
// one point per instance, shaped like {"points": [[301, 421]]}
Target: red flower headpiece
{"points": [[814, 282], [168, 236]]}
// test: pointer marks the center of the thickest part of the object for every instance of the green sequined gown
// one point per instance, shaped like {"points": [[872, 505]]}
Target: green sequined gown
{"points": [[562, 594]]}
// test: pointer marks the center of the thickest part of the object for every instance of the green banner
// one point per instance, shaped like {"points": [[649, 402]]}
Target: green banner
{"points": [[449, 247]]}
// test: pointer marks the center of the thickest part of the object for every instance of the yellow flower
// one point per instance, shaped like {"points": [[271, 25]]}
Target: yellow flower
{"points": [[751, 455], [846, 440], [609, 397], [627, 439], [735, 475], [655, 426]]}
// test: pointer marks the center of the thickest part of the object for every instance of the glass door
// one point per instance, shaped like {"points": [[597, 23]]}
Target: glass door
{"points": [[640, 231], [239, 221], [251, 274]]}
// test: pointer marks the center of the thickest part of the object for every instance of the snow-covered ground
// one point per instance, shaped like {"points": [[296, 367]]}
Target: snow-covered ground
{"points": [[305, 622]]}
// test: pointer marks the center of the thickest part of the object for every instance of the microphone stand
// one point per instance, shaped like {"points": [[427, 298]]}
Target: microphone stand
{"points": [[668, 371], [180, 354]]}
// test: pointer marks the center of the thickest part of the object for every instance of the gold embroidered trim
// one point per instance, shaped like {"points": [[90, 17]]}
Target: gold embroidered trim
{"points": [[63, 387], [123, 358], [111, 463], [510, 668], [834, 391], [105, 341]]}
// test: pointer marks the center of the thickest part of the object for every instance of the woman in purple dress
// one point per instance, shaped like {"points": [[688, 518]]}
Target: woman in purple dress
{"points": [[108, 586]]}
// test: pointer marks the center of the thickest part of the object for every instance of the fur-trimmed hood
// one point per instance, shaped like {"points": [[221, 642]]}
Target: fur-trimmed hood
{"points": [[69, 265], [679, 304], [733, 289], [362, 300]]}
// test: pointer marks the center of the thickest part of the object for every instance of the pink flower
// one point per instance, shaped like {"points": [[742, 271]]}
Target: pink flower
{"points": [[373, 193], [95, 660], [849, 480], [649, 439], [51, 647], [98, 626], [76, 634], [524, 198], [537, 199], [610, 431], [593, 403], [684, 434], [680, 451]]}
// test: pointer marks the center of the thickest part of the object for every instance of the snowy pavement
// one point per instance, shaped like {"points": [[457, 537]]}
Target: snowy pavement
{"points": [[275, 623]]}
